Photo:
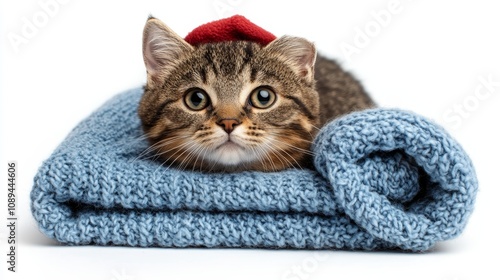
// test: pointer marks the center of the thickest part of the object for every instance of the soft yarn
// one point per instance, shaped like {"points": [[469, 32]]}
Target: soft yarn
{"points": [[385, 179], [235, 28]]}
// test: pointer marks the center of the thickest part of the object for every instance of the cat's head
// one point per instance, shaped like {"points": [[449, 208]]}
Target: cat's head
{"points": [[228, 106]]}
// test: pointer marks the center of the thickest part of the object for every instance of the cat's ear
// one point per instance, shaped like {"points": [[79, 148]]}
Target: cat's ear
{"points": [[162, 48], [298, 52]]}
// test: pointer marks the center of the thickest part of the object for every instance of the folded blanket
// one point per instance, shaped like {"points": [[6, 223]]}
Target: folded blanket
{"points": [[385, 179]]}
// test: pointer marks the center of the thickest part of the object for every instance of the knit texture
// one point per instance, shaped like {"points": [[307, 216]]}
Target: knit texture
{"points": [[385, 179]]}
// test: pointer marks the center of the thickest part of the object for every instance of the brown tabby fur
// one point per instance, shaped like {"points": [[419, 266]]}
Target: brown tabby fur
{"points": [[310, 91]]}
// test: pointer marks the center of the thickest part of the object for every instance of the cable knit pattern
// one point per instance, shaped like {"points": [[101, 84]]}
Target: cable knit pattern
{"points": [[385, 179]]}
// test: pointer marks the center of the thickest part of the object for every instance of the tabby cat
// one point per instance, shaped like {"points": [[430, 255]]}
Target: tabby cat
{"points": [[236, 105]]}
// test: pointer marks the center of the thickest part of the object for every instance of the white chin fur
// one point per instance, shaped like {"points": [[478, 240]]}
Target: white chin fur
{"points": [[231, 154]]}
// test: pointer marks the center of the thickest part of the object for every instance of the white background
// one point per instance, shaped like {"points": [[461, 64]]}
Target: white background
{"points": [[429, 58]]}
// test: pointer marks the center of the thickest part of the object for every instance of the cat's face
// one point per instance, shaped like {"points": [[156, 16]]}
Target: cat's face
{"points": [[228, 106]]}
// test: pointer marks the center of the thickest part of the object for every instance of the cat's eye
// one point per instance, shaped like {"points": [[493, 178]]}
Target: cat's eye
{"points": [[262, 97], [196, 99]]}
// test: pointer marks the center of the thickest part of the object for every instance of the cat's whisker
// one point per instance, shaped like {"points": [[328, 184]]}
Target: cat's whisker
{"points": [[317, 128], [203, 149], [267, 153], [268, 157], [212, 146], [185, 147], [284, 151], [262, 157], [155, 146], [305, 151], [140, 138], [275, 153], [178, 148], [134, 142], [312, 137], [145, 136], [158, 154], [203, 158], [258, 154], [280, 132], [160, 151], [188, 158], [280, 157], [147, 151]]}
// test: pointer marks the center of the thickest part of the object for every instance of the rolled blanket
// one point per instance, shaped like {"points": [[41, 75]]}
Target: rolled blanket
{"points": [[384, 179]]}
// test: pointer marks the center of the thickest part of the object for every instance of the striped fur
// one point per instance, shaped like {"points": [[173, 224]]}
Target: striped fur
{"points": [[267, 139]]}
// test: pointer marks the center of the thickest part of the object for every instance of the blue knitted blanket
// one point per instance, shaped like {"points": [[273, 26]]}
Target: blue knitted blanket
{"points": [[384, 179]]}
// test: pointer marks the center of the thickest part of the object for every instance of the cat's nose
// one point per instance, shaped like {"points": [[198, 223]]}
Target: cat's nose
{"points": [[228, 124]]}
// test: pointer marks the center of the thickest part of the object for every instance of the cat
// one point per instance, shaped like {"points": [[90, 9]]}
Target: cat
{"points": [[236, 105]]}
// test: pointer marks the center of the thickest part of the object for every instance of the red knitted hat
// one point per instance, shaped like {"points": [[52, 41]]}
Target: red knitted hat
{"points": [[234, 28]]}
